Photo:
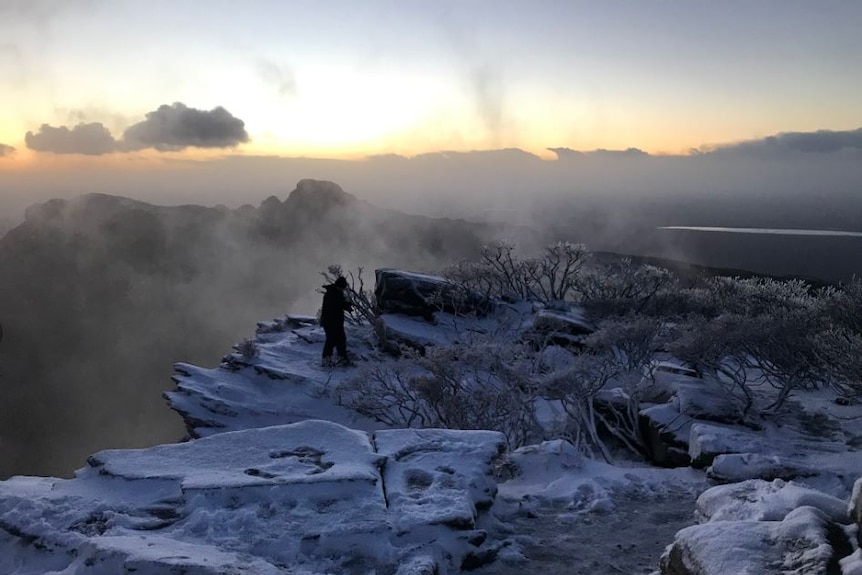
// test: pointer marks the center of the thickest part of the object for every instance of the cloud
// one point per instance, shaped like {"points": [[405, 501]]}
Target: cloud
{"points": [[570, 154], [91, 139], [819, 142], [40, 12], [169, 128], [281, 77], [6, 151], [177, 127]]}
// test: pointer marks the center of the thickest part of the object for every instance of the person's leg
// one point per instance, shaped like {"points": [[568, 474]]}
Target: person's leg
{"points": [[329, 344], [341, 342]]}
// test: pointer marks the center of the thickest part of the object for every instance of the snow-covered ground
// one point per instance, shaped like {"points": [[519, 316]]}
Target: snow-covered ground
{"points": [[281, 478]]}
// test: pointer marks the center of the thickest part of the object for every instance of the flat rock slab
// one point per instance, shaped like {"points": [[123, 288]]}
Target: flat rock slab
{"points": [[305, 498]]}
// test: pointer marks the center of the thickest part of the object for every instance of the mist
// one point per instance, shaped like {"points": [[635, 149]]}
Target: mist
{"points": [[100, 296]]}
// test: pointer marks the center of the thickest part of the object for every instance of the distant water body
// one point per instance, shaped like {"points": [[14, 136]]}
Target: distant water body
{"points": [[768, 231], [831, 255]]}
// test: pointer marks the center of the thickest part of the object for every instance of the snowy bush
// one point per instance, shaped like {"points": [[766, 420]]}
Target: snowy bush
{"points": [[247, 348], [361, 298], [622, 287], [719, 347], [576, 388], [500, 272], [465, 386]]}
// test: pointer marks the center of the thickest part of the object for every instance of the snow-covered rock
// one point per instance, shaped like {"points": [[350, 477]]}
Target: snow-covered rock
{"points": [[705, 400], [798, 544], [284, 383], [423, 295], [758, 500], [706, 441], [311, 497], [561, 327], [666, 433], [854, 509], [734, 467]]}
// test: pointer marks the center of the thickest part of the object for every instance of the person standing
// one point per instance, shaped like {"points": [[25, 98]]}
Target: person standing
{"points": [[335, 303]]}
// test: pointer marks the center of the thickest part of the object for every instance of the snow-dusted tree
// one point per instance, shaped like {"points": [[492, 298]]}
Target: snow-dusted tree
{"points": [[840, 345], [576, 388], [757, 296], [719, 347], [364, 304], [843, 305], [783, 348], [385, 392], [483, 385], [500, 272], [622, 287], [632, 342], [840, 351]]}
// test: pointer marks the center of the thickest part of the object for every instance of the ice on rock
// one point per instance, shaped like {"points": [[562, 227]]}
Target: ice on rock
{"points": [[758, 500], [309, 497], [797, 544]]}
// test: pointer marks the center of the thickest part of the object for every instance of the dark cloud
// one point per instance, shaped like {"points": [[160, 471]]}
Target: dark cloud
{"points": [[281, 77], [170, 128], [6, 150], [819, 142], [91, 139], [178, 127]]}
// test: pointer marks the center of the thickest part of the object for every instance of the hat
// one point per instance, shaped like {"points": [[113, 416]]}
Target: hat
{"points": [[340, 282]]}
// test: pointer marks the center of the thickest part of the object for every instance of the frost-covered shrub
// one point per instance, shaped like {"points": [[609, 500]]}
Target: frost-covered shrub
{"points": [[480, 386], [576, 388], [757, 296], [840, 351], [247, 348], [362, 299], [500, 272], [622, 288], [719, 347]]}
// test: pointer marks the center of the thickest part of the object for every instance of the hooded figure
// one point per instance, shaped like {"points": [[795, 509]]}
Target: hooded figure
{"points": [[332, 320]]}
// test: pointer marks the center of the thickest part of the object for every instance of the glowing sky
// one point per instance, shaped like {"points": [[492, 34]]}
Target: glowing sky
{"points": [[348, 78]]}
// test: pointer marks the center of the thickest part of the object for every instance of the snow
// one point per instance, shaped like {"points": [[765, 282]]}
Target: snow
{"points": [[314, 495], [759, 500], [798, 544], [279, 477]]}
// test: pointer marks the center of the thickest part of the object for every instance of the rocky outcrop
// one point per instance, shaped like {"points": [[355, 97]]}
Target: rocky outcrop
{"points": [[423, 295], [800, 543], [313, 495], [734, 467], [666, 432], [563, 327], [764, 528]]}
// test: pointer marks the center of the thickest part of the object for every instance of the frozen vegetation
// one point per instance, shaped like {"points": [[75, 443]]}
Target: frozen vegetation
{"points": [[544, 415]]}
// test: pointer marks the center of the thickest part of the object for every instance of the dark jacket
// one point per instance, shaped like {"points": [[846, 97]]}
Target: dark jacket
{"points": [[334, 306]]}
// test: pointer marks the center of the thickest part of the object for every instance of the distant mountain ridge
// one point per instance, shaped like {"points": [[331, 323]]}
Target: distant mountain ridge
{"points": [[100, 294]]}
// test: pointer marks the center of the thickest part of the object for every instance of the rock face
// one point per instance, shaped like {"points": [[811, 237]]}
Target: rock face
{"points": [[760, 527], [561, 327], [800, 543], [312, 497], [422, 295]]}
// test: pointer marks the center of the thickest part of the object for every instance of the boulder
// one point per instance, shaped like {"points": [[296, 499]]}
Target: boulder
{"points": [[704, 400], [666, 431], [733, 467], [758, 500], [800, 543], [706, 441], [565, 328], [423, 295], [855, 508]]}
